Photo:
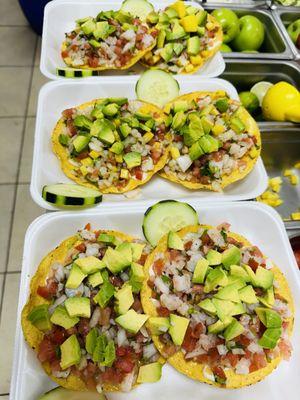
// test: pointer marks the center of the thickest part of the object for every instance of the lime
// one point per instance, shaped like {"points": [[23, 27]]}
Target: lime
{"points": [[225, 48], [249, 101], [260, 89]]}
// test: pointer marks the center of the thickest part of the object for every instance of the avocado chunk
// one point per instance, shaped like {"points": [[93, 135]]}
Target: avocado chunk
{"points": [[251, 274], [264, 278], [222, 104], [214, 257], [178, 48], [133, 159], [103, 130], [137, 276], [95, 43], [268, 299], [106, 238], [105, 294], [149, 373], [270, 338], [174, 241], [80, 143], [120, 101], [191, 134], [75, 278], [62, 318], [161, 39], [233, 330], [238, 271], [247, 295], [200, 271], [137, 250], [142, 116], [216, 277], [228, 292], [90, 264], [131, 321], [202, 17], [109, 355], [88, 26], [64, 140], [124, 299], [95, 279], [209, 144], [102, 30], [179, 120], [270, 318], [99, 348], [110, 110], [117, 148], [207, 124], [237, 125], [81, 121], [125, 249], [178, 328], [39, 317], [117, 260], [237, 309], [193, 45], [171, 13], [208, 306], [231, 256], [181, 105], [167, 52], [219, 326], [195, 151], [124, 130], [158, 325], [236, 281], [70, 352], [223, 308], [78, 307], [91, 340], [176, 33]]}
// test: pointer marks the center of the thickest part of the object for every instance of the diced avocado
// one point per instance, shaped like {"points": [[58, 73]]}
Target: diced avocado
{"points": [[219, 326], [95, 279], [177, 48], [177, 32], [95, 43], [80, 21], [64, 140], [78, 307], [237, 309], [124, 299], [90, 264], [236, 281], [195, 151], [237, 270], [233, 330], [191, 135], [179, 120], [270, 338], [125, 130], [268, 299], [223, 308], [231, 256], [171, 13], [70, 352], [75, 278], [200, 271], [62, 318], [174, 241], [190, 10], [137, 250], [222, 104], [247, 295], [103, 130], [89, 26], [81, 121], [105, 293], [106, 238], [80, 143], [99, 348], [91, 340], [136, 277], [102, 30], [237, 125], [133, 159], [39, 317], [142, 116], [190, 23], [207, 124], [208, 306], [178, 328], [251, 274], [126, 250], [180, 105], [131, 321], [193, 45], [264, 278], [209, 144], [109, 355], [110, 110], [117, 148], [228, 292], [270, 318], [149, 373], [115, 260], [120, 101], [167, 52], [202, 17], [214, 257], [158, 325], [152, 17], [216, 277]]}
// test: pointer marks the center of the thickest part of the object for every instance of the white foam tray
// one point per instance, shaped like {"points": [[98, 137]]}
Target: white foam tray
{"points": [[258, 222], [56, 96], [59, 18]]}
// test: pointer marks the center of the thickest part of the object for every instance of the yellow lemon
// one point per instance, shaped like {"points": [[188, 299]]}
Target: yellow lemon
{"points": [[281, 103]]}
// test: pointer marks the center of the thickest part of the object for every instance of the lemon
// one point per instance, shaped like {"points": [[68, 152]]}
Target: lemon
{"points": [[260, 89], [281, 103]]}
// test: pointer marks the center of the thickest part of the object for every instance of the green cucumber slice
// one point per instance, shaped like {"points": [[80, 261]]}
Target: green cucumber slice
{"points": [[137, 8], [157, 87], [65, 194], [76, 73], [166, 216], [60, 393]]}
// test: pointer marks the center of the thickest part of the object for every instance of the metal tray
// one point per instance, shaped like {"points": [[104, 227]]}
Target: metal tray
{"points": [[281, 150], [274, 46], [284, 17]]}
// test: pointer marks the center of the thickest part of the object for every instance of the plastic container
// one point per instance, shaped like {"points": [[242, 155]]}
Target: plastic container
{"points": [[60, 16], [56, 96], [257, 222]]}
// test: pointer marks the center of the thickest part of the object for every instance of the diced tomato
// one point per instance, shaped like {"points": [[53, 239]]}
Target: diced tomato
{"points": [[248, 354], [202, 359], [188, 245], [285, 348], [163, 311], [58, 335], [243, 340], [137, 305], [111, 375], [83, 326], [218, 155], [173, 254], [124, 364], [154, 33], [74, 47], [93, 62], [105, 316], [116, 281], [211, 34], [189, 343], [217, 370], [285, 324], [158, 266], [136, 21], [118, 50], [55, 366], [169, 350], [178, 138], [47, 351], [198, 330], [139, 37], [142, 259], [258, 361], [90, 384], [82, 155], [214, 355], [253, 264], [49, 290], [81, 247], [88, 227], [121, 351], [206, 240], [196, 171], [155, 154], [232, 358], [65, 54], [71, 127], [230, 240], [138, 172]]}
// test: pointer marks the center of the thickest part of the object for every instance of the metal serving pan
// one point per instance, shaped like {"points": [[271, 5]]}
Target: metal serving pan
{"points": [[274, 46], [283, 18]]}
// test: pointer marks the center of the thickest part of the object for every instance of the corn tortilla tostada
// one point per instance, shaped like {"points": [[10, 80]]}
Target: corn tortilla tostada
{"points": [[221, 311], [84, 317]]}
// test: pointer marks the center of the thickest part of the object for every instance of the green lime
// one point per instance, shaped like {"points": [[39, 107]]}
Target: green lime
{"points": [[260, 89], [249, 101], [225, 48]]}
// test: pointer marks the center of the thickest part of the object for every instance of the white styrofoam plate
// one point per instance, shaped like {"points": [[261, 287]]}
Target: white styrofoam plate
{"points": [[56, 96], [257, 222], [59, 18]]}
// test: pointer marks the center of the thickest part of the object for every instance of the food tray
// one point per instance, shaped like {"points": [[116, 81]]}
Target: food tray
{"points": [[259, 223], [284, 18], [60, 16], [57, 96]]}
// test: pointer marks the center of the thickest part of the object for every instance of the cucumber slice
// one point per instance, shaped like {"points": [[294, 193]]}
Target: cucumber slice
{"points": [[137, 8], [65, 194], [76, 73], [157, 87], [60, 393], [166, 216]]}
